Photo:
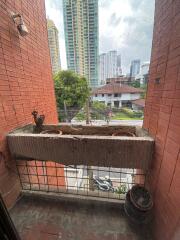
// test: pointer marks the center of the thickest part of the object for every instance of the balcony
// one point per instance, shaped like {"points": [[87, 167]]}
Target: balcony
{"points": [[57, 200], [71, 188], [40, 218]]}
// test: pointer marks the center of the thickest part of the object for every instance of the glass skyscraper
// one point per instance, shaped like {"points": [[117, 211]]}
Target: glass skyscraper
{"points": [[135, 67], [82, 38]]}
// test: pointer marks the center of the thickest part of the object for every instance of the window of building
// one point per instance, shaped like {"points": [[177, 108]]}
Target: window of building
{"points": [[109, 95], [117, 95], [95, 95], [102, 95], [116, 104]]}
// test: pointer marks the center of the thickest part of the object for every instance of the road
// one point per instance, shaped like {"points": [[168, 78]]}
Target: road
{"points": [[112, 122]]}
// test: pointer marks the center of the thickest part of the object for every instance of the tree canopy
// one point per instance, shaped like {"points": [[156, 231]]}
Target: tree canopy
{"points": [[135, 84], [71, 89], [98, 111]]}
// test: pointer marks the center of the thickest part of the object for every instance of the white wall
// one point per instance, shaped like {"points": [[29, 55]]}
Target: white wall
{"points": [[123, 97]]}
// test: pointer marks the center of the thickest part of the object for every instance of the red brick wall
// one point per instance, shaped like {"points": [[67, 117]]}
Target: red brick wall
{"points": [[162, 119], [25, 80]]}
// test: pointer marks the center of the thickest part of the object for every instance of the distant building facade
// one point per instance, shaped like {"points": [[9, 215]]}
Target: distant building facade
{"points": [[121, 80], [116, 95], [119, 69], [102, 68], [145, 68], [82, 38], [112, 64], [109, 66], [142, 77], [53, 41], [135, 67]]}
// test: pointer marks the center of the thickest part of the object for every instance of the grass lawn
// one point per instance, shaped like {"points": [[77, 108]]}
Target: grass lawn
{"points": [[123, 116]]}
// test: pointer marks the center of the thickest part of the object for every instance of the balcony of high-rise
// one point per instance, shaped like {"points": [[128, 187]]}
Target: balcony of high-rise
{"points": [[82, 194]]}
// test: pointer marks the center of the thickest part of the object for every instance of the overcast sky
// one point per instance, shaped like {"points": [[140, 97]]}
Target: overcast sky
{"points": [[124, 25]]}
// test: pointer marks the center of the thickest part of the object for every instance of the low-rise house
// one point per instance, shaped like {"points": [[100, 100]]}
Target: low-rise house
{"points": [[138, 105], [116, 95]]}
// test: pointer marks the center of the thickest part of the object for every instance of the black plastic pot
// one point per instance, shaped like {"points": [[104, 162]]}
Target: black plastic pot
{"points": [[141, 198], [138, 213]]}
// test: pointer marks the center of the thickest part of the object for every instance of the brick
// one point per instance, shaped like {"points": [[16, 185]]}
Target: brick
{"points": [[176, 102], [172, 147], [25, 74], [164, 175], [168, 94], [176, 111], [175, 187], [166, 172], [165, 109], [170, 218], [4, 87]]}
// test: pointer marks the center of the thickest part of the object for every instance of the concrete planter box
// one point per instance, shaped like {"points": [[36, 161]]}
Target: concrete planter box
{"points": [[85, 145]]}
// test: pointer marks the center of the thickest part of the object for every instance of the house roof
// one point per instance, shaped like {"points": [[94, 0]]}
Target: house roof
{"points": [[116, 88], [139, 102]]}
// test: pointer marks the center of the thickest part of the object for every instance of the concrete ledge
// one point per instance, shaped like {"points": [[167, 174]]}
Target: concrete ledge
{"points": [[71, 197], [85, 145]]}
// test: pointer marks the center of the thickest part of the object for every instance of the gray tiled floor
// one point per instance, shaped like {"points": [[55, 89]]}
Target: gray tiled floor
{"points": [[41, 219]]}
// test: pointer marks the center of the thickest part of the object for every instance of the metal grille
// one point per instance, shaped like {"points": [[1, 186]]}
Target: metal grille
{"points": [[94, 181]]}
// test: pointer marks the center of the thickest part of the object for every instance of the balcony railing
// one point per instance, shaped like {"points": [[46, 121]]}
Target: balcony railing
{"points": [[83, 180]]}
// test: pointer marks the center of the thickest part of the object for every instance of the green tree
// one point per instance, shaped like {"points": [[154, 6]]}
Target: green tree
{"points": [[135, 84], [71, 92], [98, 111], [99, 106], [71, 89]]}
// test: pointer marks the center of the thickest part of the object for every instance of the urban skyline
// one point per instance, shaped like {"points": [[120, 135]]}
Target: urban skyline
{"points": [[109, 66], [121, 23], [81, 38], [53, 41], [109, 63]]}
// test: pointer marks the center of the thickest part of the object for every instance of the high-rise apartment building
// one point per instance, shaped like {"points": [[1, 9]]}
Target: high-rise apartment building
{"points": [[112, 64], [135, 67], [53, 46], [102, 68], [109, 66], [82, 38], [119, 69]]}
